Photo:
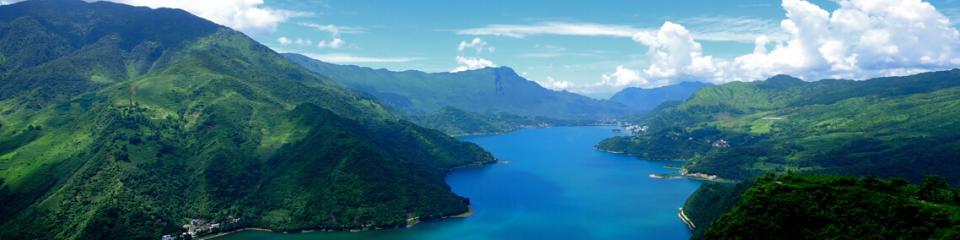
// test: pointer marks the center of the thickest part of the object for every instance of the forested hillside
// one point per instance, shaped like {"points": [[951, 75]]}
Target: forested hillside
{"points": [[887, 127], [119, 122]]}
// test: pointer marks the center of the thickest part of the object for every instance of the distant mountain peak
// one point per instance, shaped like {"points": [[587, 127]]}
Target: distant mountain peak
{"points": [[647, 99], [784, 78]]}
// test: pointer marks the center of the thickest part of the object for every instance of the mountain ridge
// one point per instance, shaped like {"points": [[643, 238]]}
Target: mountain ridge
{"points": [[500, 90]]}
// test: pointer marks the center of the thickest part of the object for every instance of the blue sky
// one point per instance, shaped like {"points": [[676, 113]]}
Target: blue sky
{"points": [[598, 47], [425, 35]]}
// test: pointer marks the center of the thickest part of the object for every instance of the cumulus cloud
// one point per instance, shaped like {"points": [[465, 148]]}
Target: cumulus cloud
{"points": [[249, 16], [860, 39], [475, 44], [472, 63]]}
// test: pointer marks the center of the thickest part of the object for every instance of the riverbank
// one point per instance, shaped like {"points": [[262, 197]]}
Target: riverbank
{"points": [[683, 217]]}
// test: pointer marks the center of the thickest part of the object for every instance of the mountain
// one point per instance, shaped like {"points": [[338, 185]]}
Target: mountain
{"points": [[119, 122], [888, 127], [837, 207], [487, 91], [648, 99]]}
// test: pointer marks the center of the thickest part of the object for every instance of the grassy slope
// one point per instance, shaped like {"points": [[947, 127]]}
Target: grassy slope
{"points": [[214, 132], [904, 126]]}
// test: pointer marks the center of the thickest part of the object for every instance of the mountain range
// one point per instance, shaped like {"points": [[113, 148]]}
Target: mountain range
{"points": [[498, 96]]}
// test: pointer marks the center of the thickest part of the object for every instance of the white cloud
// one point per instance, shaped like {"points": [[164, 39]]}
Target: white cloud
{"points": [[860, 39], [712, 28], [347, 58], [334, 43], [554, 84], [732, 29], [249, 16], [476, 44], [303, 42], [470, 63], [334, 30], [623, 77], [551, 28], [284, 41]]}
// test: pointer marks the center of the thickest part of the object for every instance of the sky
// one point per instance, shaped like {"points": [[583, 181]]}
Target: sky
{"points": [[598, 47]]}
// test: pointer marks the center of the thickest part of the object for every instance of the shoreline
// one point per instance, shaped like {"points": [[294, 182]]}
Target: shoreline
{"points": [[686, 220], [693, 176], [221, 234], [682, 172], [412, 222]]}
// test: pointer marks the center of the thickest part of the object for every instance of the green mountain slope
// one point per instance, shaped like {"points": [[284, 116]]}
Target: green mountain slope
{"points": [[487, 91], [119, 122], [898, 126], [833, 207]]}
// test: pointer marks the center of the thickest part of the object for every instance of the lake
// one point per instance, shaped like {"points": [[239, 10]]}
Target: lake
{"points": [[552, 184]]}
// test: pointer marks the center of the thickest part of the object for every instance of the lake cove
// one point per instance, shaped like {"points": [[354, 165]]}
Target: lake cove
{"points": [[552, 184]]}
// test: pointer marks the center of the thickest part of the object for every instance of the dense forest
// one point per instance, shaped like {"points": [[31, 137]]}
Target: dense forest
{"points": [[120, 122], [887, 127], [800, 206]]}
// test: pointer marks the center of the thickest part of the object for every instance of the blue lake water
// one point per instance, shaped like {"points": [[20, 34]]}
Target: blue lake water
{"points": [[553, 185]]}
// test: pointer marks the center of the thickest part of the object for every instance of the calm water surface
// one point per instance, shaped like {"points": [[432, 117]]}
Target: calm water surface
{"points": [[553, 185]]}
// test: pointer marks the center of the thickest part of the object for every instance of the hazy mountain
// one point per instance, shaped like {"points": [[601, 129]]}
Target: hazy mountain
{"points": [[648, 99], [119, 122], [486, 91]]}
